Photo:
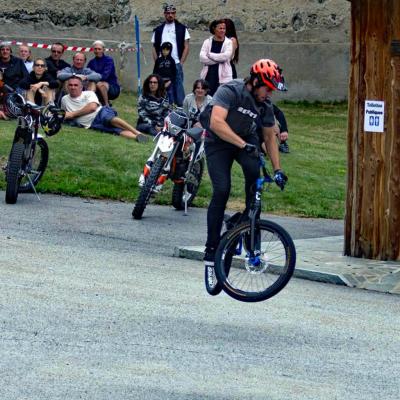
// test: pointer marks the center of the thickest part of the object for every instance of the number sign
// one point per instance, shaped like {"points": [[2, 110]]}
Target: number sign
{"points": [[374, 115]]}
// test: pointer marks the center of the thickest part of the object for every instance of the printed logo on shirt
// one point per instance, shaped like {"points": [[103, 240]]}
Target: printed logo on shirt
{"points": [[245, 111]]}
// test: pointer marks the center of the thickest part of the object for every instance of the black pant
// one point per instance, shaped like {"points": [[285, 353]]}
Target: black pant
{"points": [[220, 157]]}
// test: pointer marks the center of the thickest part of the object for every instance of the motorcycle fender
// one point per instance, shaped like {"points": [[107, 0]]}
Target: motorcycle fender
{"points": [[165, 144]]}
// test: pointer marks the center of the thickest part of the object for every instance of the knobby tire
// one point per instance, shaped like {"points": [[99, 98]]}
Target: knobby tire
{"points": [[13, 176], [145, 193]]}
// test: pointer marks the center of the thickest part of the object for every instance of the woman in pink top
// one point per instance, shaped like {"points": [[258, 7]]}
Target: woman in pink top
{"points": [[216, 55]]}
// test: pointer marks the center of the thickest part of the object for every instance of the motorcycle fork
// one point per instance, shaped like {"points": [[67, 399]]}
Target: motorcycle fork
{"points": [[167, 166]]}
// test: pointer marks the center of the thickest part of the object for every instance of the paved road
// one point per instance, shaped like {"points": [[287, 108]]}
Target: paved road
{"points": [[93, 306]]}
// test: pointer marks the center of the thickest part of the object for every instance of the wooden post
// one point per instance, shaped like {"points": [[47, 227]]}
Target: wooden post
{"points": [[372, 221]]}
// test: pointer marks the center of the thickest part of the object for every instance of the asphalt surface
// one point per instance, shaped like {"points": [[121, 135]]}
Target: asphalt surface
{"points": [[94, 306]]}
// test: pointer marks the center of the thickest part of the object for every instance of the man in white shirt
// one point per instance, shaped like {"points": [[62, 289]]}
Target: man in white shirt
{"points": [[176, 33], [83, 109]]}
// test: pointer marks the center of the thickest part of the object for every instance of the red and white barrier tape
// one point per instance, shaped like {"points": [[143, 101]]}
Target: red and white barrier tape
{"points": [[68, 48]]}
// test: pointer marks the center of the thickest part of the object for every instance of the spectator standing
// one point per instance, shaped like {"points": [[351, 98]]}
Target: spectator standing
{"points": [[231, 34], [12, 68], [54, 62], [152, 105], [89, 77], [165, 67], [25, 55], [196, 101], [84, 110], [176, 33], [39, 84], [108, 87], [216, 55]]}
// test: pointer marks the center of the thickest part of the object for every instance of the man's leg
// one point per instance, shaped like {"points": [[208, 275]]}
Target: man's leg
{"points": [[128, 130], [91, 86], [102, 88], [219, 164], [179, 91]]}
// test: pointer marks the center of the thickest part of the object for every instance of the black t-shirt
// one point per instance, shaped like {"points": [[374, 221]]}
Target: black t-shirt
{"points": [[165, 67], [53, 68], [243, 112]]}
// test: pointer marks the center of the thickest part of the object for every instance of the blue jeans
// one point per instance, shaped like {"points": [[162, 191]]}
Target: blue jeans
{"points": [[179, 91]]}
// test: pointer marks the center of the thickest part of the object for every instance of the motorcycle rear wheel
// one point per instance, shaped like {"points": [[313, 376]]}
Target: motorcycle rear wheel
{"points": [[145, 193]]}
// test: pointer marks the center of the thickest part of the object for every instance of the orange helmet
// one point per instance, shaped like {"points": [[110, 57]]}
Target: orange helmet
{"points": [[268, 72]]}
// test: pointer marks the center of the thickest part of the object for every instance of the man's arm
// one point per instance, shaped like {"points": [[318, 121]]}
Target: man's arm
{"points": [[154, 53], [185, 51], [272, 147], [220, 127], [87, 109]]}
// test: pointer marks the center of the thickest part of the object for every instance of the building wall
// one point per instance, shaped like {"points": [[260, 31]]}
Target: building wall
{"points": [[308, 38]]}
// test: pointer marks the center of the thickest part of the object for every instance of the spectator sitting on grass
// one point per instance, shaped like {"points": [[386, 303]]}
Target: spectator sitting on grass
{"points": [[88, 76], [25, 55], [12, 69], [39, 84], [54, 62], [152, 105], [108, 87], [83, 109]]}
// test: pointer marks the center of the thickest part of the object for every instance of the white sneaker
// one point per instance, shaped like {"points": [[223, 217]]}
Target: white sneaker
{"points": [[211, 277]]}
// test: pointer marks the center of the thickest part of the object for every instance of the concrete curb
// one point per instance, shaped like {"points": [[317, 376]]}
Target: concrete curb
{"points": [[321, 260]]}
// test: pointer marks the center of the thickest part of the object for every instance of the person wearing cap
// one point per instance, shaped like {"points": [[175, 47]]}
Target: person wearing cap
{"points": [[176, 33], [12, 69], [108, 87], [165, 67]]}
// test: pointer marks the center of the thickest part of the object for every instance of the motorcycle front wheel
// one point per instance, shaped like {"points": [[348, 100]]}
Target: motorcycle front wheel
{"points": [[38, 166], [259, 278], [13, 172], [147, 188], [192, 183]]}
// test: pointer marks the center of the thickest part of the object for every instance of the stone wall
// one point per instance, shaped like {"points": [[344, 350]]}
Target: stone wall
{"points": [[309, 38]]}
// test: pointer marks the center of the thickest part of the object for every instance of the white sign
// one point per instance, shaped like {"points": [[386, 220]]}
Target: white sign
{"points": [[374, 115]]}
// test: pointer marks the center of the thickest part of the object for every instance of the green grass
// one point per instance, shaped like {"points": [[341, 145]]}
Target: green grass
{"points": [[93, 164]]}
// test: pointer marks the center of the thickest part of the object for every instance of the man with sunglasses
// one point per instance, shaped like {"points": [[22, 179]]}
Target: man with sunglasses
{"points": [[54, 62], [177, 34], [237, 109]]}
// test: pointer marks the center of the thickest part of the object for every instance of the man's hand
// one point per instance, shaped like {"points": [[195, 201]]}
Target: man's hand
{"points": [[283, 136], [251, 150], [280, 178], [69, 115]]}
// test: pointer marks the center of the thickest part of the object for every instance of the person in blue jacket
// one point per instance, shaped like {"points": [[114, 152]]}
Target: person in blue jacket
{"points": [[108, 87]]}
